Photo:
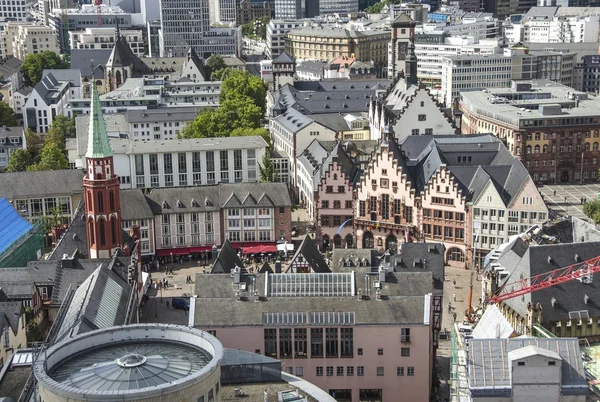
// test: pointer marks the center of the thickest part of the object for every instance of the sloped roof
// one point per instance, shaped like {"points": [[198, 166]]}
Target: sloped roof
{"points": [[226, 260], [532, 350], [12, 312], [74, 239], [493, 324], [9, 65], [43, 183], [101, 301], [284, 58], [85, 60], [569, 296], [134, 205], [309, 253], [13, 225]]}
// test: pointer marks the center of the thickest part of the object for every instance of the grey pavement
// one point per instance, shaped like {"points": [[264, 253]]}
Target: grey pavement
{"points": [[461, 290], [565, 199]]}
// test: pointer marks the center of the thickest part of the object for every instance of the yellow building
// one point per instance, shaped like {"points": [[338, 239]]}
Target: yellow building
{"points": [[327, 43], [14, 332]]}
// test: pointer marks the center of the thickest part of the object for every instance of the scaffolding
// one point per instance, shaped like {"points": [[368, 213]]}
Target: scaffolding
{"points": [[29, 247]]}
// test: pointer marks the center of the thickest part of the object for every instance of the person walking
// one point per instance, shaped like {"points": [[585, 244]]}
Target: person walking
{"points": [[454, 317], [167, 304], [454, 296], [449, 307], [454, 283]]}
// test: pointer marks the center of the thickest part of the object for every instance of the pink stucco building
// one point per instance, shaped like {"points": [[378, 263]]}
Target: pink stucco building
{"points": [[357, 340]]}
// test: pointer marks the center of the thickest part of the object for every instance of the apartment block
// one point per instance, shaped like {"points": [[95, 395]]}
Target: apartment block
{"points": [[105, 38], [553, 129], [276, 30], [20, 39]]}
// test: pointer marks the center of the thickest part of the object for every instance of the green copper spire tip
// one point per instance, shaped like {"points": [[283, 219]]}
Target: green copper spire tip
{"points": [[97, 146]]}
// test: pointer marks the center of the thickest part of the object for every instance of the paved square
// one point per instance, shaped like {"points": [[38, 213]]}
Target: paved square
{"points": [[565, 199]]}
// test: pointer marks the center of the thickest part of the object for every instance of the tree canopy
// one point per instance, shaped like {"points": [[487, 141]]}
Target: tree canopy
{"points": [[34, 143], [266, 169], [378, 7], [34, 64], [242, 106], [51, 158], [243, 85], [19, 161], [592, 210], [7, 115], [213, 64], [256, 29]]}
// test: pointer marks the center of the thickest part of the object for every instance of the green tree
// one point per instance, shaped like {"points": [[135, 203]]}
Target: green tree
{"points": [[214, 63], [240, 85], [237, 113], [19, 161], [55, 137], [7, 115], [203, 126], [246, 132], [267, 171], [592, 210], [34, 64], [65, 125], [51, 158], [34, 143]]}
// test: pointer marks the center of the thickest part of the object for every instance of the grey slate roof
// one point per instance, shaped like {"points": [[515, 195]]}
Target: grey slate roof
{"points": [[11, 312], [74, 239], [226, 260], [68, 74], [569, 295], [419, 257], [312, 66], [213, 198], [353, 259], [83, 59], [40, 184], [49, 87], [134, 205], [9, 65], [308, 252], [161, 115], [284, 58], [489, 368], [101, 301]]}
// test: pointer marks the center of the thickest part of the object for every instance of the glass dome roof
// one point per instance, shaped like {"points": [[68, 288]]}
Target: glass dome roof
{"points": [[130, 366]]}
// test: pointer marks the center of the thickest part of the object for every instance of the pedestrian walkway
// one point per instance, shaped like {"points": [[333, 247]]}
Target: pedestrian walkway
{"points": [[565, 199]]}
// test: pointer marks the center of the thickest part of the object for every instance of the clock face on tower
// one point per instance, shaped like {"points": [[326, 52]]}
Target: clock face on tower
{"points": [[402, 50]]}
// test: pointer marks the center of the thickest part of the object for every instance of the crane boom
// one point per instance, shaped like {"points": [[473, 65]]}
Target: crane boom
{"points": [[581, 270]]}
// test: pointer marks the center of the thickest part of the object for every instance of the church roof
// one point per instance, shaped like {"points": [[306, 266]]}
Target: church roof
{"points": [[98, 146], [122, 55]]}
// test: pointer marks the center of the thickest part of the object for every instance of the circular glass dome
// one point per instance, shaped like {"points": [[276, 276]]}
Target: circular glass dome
{"points": [[130, 366]]}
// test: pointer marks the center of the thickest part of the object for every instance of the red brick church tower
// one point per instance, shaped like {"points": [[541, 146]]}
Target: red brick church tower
{"points": [[101, 188]]}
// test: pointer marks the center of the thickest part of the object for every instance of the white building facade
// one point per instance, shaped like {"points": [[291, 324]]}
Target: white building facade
{"points": [[276, 30], [105, 38]]}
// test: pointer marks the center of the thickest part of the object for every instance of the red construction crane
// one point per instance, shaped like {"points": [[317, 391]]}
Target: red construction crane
{"points": [[581, 270], [98, 3]]}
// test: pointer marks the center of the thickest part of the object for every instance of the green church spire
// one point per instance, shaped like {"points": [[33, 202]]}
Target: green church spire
{"points": [[97, 146]]}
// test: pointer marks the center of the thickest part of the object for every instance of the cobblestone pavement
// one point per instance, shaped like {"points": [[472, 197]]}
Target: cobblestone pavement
{"points": [[461, 290], [565, 199]]}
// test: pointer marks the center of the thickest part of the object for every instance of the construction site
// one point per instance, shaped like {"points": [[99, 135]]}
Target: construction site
{"points": [[537, 303]]}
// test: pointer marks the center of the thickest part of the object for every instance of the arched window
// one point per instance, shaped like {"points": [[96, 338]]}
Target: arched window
{"points": [[102, 233], [113, 231], [119, 81], [528, 150], [368, 241], [111, 200], [587, 146], [100, 203], [518, 150], [89, 200], [536, 149], [91, 230], [325, 242], [337, 240], [545, 148], [349, 241], [553, 148], [537, 136], [595, 146], [456, 254]]}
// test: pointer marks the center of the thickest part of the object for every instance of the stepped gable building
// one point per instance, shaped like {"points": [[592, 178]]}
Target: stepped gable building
{"points": [[434, 187]]}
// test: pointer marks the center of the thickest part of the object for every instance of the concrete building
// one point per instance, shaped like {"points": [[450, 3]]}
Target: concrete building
{"points": [[338, 337], [554, 25], [331, 7], [158, 124], [585, 75], [475, 25], [21, 39], [19, 98], [37, 194], [153, 35], [86, 16], [468, 73], [327, 43], [11, 139], [309, 70], [175, 163], [49, 99], [10, 80], [566, 150], [276, 31], [105, 38], [138, 346], [429, 54], [16, 12], [290, 9], [247, 11]]}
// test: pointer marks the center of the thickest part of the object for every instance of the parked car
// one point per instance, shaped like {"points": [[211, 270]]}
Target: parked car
{"points": [[183, 304]]}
